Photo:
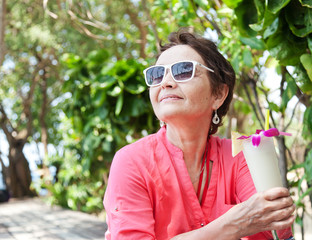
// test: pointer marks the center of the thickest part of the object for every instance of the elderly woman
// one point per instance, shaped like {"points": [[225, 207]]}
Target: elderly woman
{"points": [[182, 182]]}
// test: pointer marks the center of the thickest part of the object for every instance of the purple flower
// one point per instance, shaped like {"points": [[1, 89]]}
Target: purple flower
{"points": [[256, 138]]}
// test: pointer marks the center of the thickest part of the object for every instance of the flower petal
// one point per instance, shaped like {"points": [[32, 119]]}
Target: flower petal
{"points": [[256, 139], [285, 133], [272, 132], [244, 137], [258, 131]]}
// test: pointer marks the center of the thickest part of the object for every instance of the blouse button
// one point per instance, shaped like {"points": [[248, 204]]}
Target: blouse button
{"points": [[202, 224]]}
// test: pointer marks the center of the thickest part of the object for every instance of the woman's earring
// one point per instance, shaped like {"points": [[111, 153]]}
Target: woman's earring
{"points": [[162, 123], [216, 118]]}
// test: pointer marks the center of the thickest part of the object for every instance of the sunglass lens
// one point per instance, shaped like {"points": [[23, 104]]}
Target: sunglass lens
{"points": [[182, 71], [155, 75]]}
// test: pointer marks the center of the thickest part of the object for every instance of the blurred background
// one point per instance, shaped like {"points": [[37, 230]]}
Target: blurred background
{"points": [[72, 90]]}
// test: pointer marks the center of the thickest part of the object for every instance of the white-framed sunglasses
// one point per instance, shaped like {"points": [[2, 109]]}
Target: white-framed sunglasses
{"points": [[181, 71]]}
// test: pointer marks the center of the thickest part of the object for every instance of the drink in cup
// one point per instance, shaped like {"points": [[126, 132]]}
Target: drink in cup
{"points": [[261, 158], [262, 162]]}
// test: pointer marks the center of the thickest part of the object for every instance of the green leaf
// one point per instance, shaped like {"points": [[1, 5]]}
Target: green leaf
{"points": [[98, 56], [310, 42], [247, 57], [246, 14], [261, 7], [285, 46], [185, 4], [303, 80], [299, 19], [306, 3], [306, 60], [289, 92], [242, 107], [99, 98], [265, 17], [308, 167], [77, 123], [276, 5], [232, 3], [271, 29], [107, 146], [105, 82], [273, 107], [115, 92], [307, 120], [235, 63], [119, 104], [134, 106], [71, 60], [253, 42], [299, 221], [202, 3], [271, 62]]}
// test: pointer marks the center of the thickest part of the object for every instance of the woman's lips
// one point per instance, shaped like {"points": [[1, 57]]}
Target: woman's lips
{"points": [[169, 97]]}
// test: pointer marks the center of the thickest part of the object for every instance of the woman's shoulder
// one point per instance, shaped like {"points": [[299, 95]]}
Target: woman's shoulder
{"points": [[143, 144], [138, 153]]}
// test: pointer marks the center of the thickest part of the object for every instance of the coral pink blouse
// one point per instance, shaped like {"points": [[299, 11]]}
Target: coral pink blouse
{"points": [[150, 194]]}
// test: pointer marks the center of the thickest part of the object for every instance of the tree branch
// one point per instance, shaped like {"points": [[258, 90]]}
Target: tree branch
{"points": [[82, 23], [244, 83], [152, 23], [43, 112], [292, 116], [253, 84], [141, 27], [4, 121], [45, 7], [196, 8], [303, 98]]}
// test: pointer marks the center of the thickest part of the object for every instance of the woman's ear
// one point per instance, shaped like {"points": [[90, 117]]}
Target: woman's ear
{"points": [[221, 95]]}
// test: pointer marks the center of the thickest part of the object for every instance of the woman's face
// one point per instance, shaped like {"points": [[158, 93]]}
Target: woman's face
{"points": [[191, 100]]}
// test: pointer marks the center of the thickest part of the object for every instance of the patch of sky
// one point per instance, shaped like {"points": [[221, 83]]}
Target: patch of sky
{"points": [[33, 61], [212, 35], [60, 99], [8, 64], [121, 37]]}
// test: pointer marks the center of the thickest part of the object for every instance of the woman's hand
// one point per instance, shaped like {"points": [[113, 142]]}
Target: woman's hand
{"points": [[264, 211]]}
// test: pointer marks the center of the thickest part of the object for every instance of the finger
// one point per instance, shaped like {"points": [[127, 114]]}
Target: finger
{"points": [[275, 193], [266, 207], [269, 217], [286, 223], [281, 203], [281, 214]]}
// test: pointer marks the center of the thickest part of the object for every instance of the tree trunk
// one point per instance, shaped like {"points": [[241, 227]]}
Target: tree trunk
{"points": [[4, 170], [43, 112], [19, 172]]}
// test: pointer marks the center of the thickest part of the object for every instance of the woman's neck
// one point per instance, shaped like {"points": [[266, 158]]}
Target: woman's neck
{"points": [[191, 139]]}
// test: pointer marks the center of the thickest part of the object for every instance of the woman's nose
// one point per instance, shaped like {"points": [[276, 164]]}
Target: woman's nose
{"points": [[168, 81]]}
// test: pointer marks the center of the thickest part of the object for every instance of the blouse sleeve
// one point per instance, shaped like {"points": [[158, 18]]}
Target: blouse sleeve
{"points": [[245, 187], [127, 203]]}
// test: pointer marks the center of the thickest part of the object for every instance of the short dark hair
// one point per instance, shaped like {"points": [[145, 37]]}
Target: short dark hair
{"points": [[223, 71]]}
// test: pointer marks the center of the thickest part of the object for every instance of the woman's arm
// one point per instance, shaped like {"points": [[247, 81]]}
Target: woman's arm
{"points": [[127, 202]]}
